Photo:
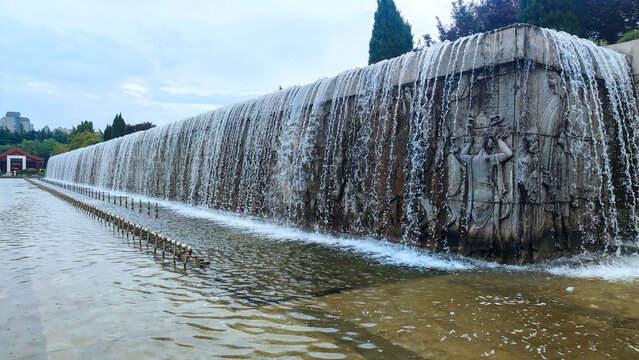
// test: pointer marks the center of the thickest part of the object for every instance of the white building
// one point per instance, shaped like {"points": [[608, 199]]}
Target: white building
{"points": [[12, 121]]}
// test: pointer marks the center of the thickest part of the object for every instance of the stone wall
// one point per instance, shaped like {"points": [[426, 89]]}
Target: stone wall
{"points": [[516, 146], [631, 50], [521, 164]]}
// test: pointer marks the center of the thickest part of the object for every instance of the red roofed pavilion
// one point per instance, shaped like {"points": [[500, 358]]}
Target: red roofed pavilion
{"points": [[17, 159]]}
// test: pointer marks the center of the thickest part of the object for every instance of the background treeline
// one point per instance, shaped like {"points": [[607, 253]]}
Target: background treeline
{"points": [[45, 143], [120, 128], [603, 21]]}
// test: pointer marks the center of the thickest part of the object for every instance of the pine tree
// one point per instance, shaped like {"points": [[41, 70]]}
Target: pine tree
{"points": [[392, 35], [119, 127], [563, 15], [107, 133]]}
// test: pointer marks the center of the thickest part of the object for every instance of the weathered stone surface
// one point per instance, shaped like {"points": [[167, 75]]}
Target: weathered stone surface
{"points": [[631, 50], [516, 146]]}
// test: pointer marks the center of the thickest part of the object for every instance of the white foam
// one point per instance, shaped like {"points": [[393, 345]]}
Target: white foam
{"points": [[380, 250], [610, 268], [587, 266]]}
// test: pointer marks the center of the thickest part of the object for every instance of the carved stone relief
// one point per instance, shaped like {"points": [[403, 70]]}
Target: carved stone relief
{"points": [[488, 201]]}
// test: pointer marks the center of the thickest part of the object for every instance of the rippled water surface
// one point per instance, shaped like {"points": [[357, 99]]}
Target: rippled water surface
{"points": [[70, 287]]}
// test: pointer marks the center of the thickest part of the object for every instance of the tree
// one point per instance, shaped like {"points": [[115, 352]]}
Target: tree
{"points": [[83, 127], [60, 149], [629, 36], [8, 137], [43, 134], [391, 36], [424, 41], [60, 136], [119, 127], [47, 150], [83, 139], [107, 133], [130, 129], [465, 22], [470, 18], [609, 19], [563, 15], [495, 14]]}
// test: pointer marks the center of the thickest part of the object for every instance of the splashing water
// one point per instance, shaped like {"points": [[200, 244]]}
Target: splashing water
{"points": [[359, 152]]}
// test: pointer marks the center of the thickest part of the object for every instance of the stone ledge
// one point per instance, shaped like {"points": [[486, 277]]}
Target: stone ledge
{"points": [[631, 50], [499, 47]]}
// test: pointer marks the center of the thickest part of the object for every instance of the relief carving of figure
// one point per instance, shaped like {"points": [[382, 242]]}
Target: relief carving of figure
{"points": [[529, 179], [487, 193], [455, 170], [551, 114]]}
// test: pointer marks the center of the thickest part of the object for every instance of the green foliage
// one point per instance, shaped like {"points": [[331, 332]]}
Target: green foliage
{"points": [[60, 149], [84, 139], [629, 36], [26, 172], [609, 20], [8, 137], [107, 133], [77, 141], [465, 22], [83, 127], [130, 129], [603, 21], [563, 15], [44, 144], [391, 36], [119, 127], [60, 136], [43, 149], [478, 16], [5, 148]]}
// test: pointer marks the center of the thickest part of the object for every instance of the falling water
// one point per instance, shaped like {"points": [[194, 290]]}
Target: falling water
{"points": [[369, 151]]}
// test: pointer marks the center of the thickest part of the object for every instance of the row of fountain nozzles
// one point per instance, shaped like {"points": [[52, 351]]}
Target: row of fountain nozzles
{"points": [[96, 194], [122, 223]]}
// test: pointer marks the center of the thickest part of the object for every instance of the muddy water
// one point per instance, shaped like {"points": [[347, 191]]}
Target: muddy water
{"points": [[72, 288]]}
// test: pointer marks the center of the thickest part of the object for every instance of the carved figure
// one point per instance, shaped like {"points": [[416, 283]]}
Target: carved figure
{"points": [[487, 202], [529, 178], [553, 111], [455, 170]]}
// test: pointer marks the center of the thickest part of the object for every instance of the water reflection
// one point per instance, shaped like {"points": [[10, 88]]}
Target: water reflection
{"points": [[70, 288]]}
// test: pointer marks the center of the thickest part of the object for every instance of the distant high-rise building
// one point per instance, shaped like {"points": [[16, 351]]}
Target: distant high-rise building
{"points": [[13, 121]]}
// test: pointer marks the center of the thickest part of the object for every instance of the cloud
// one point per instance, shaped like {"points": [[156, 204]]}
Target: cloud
{"points": [[178, 57], [202, 91], [190, 108], [135, 90], [42, 86]]}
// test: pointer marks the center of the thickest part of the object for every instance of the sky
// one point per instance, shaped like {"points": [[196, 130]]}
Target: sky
{"points": [[65, 61]]}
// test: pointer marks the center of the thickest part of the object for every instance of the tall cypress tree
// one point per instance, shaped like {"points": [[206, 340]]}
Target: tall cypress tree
{"points": [[392, 35], [564, 15], [107, 133], [119, 127]]}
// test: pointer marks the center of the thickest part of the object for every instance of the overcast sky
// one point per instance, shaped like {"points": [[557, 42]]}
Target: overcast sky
{"points": [[64, 61]]}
